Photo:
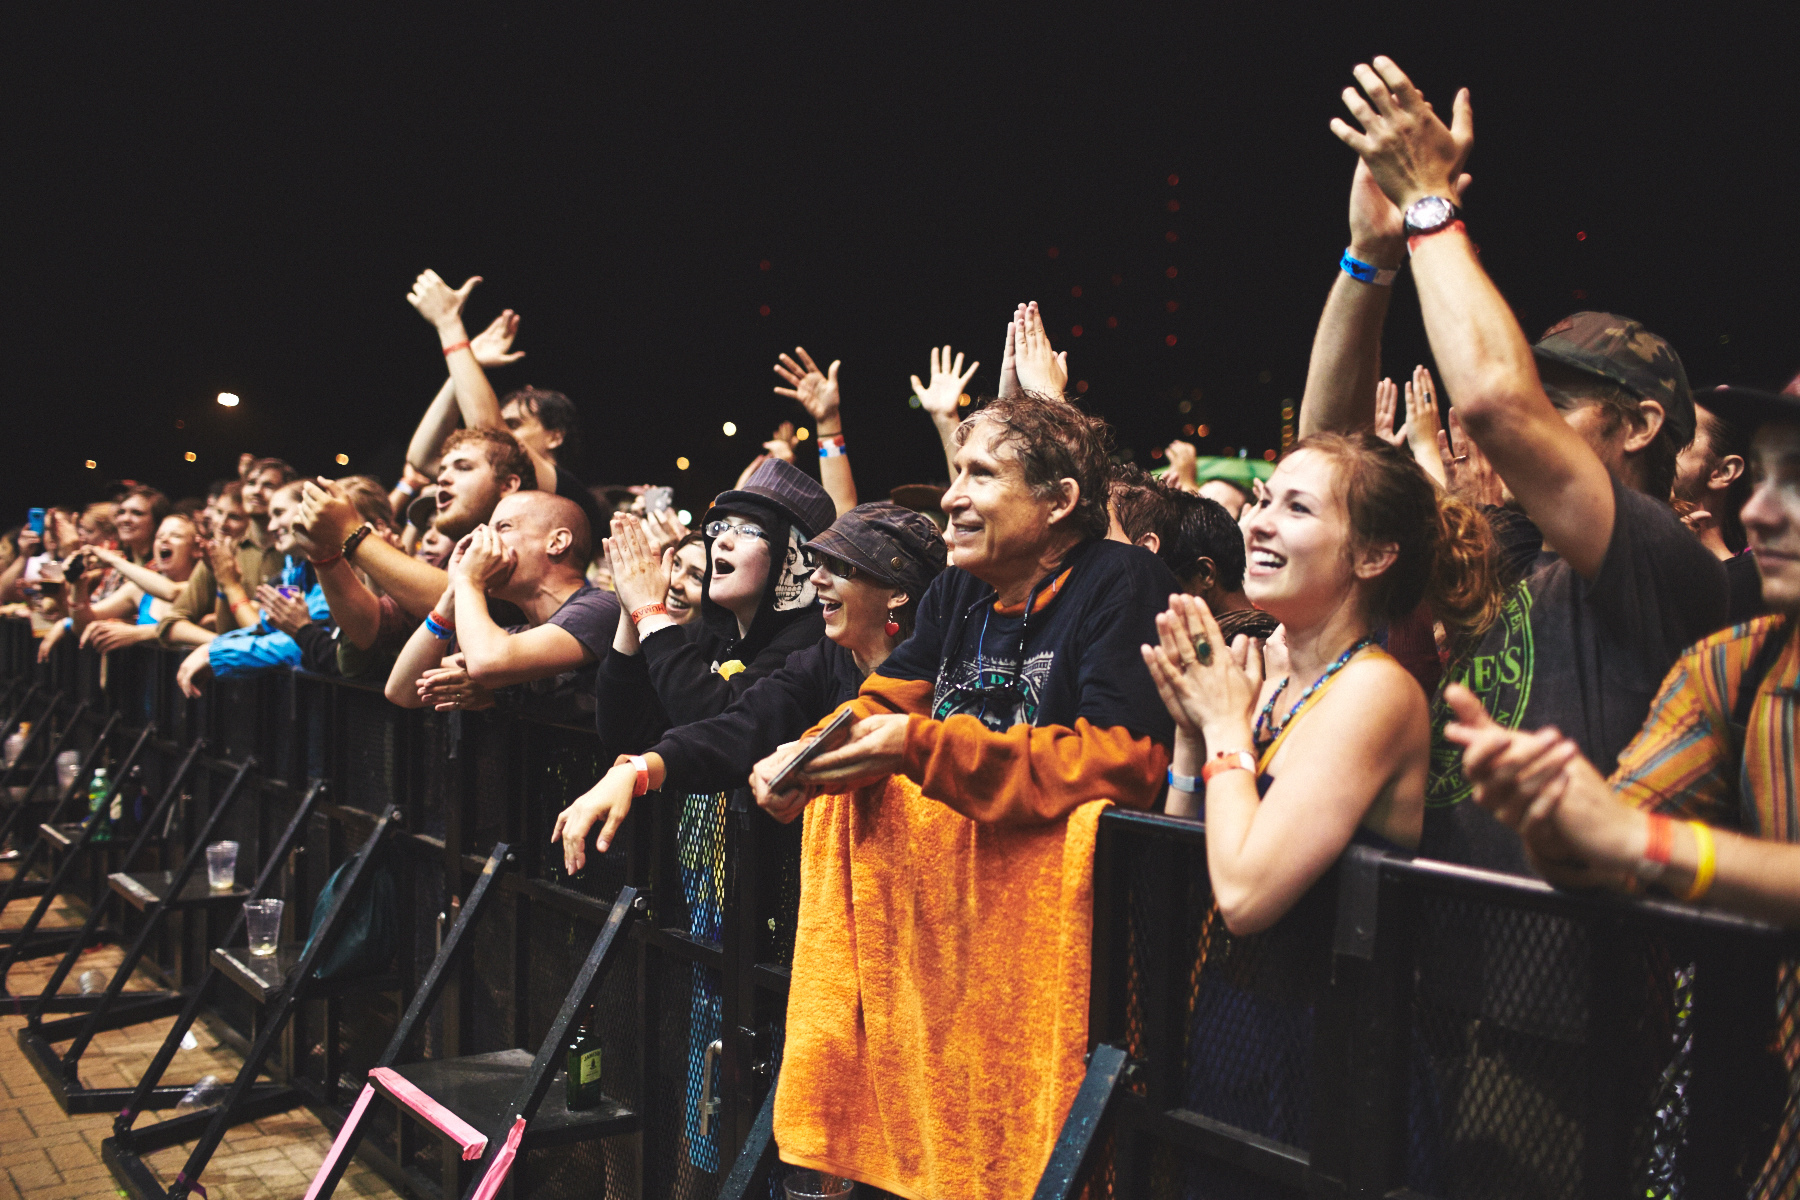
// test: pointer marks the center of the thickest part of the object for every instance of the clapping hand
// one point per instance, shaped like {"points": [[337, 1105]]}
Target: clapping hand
{"points": [[286, 613], [490, 346], [325, 517], [640, 573], [1386, 394], [781, 445], [662, 529], [436, 300], [1040, 369], [1209, 687], [1410, 152], [942, 397], [816, 390]]}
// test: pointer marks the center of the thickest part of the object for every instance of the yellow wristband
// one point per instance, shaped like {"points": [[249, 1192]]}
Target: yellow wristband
{"points": [[1708, 851]]}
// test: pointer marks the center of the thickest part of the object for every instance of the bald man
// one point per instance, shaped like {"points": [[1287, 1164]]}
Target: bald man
{"points": [[532, 552]]}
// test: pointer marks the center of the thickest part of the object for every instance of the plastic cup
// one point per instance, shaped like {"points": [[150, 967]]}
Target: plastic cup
{"points": [[221, 866], [67, 764], [263, 919], [816, 1185]]}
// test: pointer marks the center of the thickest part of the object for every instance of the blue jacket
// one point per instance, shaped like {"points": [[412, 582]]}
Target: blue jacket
{"points": [[261, 647]]}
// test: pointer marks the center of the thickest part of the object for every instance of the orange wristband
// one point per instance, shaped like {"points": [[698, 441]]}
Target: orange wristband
{"points": [[455, 346]]}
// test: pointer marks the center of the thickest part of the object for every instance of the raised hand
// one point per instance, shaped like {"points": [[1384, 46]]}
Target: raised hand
{"points": [[1386, 395], [942, 397], [816, 390], [286, 613], [1422, 427], [490, 346], [1040, 368], [781, 445], [608, 801], [1410, 152], [223, 556], [1009, 360], [1468, 475], [436, 300], [1184, 471], [640, 573], [662, 529], [1377, 228]]}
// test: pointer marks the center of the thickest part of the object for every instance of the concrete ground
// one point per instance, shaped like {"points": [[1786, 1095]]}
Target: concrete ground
{"points": [[48, 1155]]}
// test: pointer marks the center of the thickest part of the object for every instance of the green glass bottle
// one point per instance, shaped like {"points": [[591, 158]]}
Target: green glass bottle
{"points": [[583, 1068], [97, 810]]}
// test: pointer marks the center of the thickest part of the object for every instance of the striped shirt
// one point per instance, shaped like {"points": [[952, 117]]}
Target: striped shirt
{"points": [[1689, 760]]}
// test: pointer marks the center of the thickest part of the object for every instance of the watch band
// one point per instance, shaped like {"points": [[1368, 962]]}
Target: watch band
{"points": [[356, 538], [1228, 760]]}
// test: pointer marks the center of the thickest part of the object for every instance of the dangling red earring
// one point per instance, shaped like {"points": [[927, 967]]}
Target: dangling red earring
{"points": [[893, 627]]}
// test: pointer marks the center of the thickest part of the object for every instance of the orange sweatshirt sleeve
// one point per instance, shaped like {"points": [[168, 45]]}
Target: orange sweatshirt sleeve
{"points": [[1022, 776]]}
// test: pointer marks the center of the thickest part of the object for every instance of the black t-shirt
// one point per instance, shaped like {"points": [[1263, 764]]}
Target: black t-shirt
{"points": [[1584, 655], [590, 615], [1079, 656], [1745, 582]]}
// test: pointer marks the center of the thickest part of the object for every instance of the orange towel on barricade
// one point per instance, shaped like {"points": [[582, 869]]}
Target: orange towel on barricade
{"points": [[937, 1013]]}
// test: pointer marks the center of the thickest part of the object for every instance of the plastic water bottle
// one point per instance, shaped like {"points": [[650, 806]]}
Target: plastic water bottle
{"points": [[96, 801], [15, 742], [208, 1092]]}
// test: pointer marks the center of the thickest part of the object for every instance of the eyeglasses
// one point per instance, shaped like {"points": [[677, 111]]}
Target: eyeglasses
{"points": [[716, 529]]}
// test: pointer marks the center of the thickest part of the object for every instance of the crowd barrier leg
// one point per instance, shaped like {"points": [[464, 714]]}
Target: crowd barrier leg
{"points": [[750, 1171], [490, 1105], [449, 956], [1072, 1159], [47, 999], [158, 893], [29, 942], [21, 886], [280, 983]]}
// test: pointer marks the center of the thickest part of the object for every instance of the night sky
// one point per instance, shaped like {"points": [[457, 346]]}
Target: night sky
{"points": [[205, 199]]}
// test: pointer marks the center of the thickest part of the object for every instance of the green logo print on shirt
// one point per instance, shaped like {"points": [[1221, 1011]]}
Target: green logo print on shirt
{"points": [[1499, 673]]}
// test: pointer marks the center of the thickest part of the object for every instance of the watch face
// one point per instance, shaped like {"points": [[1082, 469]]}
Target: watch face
{"points": [[1429, 213]]}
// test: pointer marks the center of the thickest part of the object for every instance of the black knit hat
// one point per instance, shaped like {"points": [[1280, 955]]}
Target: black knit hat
{"points": [[788, 488], [894, 545]]}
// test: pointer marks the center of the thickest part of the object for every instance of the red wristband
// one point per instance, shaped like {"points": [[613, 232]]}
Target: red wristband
{"points": [[642, 611], [455, 346], [1412, 243], [643, 774], [1656, 850], [1228, 760], [326, 562]]}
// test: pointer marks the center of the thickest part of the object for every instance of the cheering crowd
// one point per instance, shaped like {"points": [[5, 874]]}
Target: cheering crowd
{"points": [[1534, 613]]}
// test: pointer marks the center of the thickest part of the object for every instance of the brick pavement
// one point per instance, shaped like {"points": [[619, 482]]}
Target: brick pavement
{"points": [[47, 1155]]}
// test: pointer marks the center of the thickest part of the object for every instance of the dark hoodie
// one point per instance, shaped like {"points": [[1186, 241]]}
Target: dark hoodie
{"points": [[684, 673]]}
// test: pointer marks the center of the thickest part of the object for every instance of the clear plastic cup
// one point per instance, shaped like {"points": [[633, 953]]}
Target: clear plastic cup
{"points": [[221, 866], [816, 1185], [263, 919], [67, 764]]}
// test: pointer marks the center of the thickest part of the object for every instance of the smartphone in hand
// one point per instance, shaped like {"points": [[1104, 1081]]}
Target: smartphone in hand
{"points": [[828, 738]]}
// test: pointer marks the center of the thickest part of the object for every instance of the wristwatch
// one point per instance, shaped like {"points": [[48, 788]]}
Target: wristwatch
{"points": [[356, 539], [1429, 214]]}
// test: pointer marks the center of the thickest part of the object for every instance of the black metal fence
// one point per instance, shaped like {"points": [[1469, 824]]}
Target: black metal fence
{"points": [[1418, 1029], [710, 965]]}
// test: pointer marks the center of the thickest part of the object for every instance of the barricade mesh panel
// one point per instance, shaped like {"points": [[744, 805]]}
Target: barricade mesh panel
{"points": [[565, 764], [368, 749], [603, 1170], [486, 816], [557, 945], [1506, 1072], [687, 1164], [778, 877], [236, 702], [429, 904], [489, 1000], [435, 792]]}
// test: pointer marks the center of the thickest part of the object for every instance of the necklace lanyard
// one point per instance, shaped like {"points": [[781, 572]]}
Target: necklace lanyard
{"points": [[1307, 699]]}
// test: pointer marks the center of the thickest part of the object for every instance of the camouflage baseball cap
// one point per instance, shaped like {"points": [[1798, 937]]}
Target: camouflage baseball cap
{"points": [[1622, 351]]}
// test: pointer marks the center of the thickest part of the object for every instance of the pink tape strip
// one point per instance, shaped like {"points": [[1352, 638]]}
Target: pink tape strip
{"points": [[343, 1139], [496, 1174], [472, 1140]]}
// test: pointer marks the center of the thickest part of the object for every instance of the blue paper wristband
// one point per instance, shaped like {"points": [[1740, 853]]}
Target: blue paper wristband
{"points": [[1364, 272], [1194, 785]]}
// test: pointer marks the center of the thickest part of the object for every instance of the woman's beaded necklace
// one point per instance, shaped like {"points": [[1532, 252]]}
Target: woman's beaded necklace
{"points": [[1264, 732]]}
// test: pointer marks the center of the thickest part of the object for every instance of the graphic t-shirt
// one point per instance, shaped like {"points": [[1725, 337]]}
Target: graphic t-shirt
{"points": [[1584, 655]]}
